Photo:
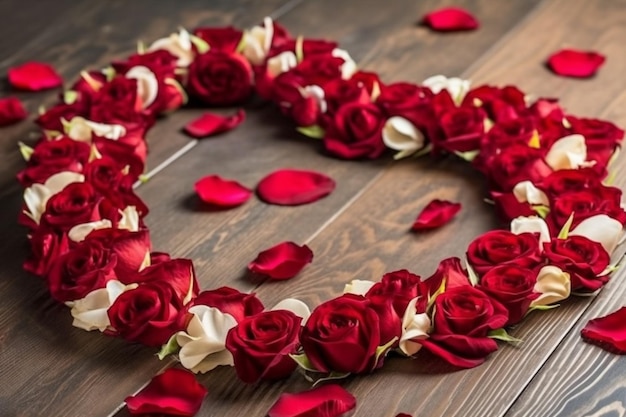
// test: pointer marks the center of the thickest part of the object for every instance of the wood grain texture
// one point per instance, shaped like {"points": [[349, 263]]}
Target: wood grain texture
{"points": [[68, 372], [370, 237]]}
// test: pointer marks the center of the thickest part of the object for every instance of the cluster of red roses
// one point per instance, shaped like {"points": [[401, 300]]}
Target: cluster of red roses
{"points": [[90, 243]]}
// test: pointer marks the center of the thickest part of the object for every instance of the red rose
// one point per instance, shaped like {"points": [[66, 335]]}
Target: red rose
{"points": [[261, 345], [408, 100], [129, 248], [223, 39], [500, 104], [508, 206], [310, 47], [355, 132], [178, 273], [85, 268], [450, 273], [229, 300], [148, 314], [45, 247], [504, 134], [601, 137], [462, 320], [339, 91], [51, 119], [400, 287], [460, 129], [342, 335], [220, 78], [567, 180], [501, 247], [582, 258], [512, 286], [77, 203], [319, 69], [128, 155], [515, 164], [118, 102], [51, 157], [584, 204]]}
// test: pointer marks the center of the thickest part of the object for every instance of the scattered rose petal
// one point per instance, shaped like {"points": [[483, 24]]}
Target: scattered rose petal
{"points": [[450, 19], [574, 63], [324, 401], [608, 332], [404, 415], [436, 214], [210, 124], [282, 261], [174, 392], [221, 192], [292, 187], [11, 111], [34, 76]]}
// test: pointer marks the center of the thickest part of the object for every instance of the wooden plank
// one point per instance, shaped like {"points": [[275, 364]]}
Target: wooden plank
{"points": [[222, 243], [370, 237], [70, 372]]}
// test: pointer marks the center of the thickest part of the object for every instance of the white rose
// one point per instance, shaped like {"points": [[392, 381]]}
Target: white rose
{"points": [[147, 84], [457, 87], [532, 224], [258, 41], [203, 344], [296, 306], [348, 68], [414, 327], [569, 152], [553, 284], [526, 192], [401, 135], [602, 229], [280, 63], [90, 313]]}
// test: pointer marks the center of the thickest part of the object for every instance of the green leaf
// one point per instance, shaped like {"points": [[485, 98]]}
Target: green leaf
{"points": [[609, 270], [501, 334], [543, 307], [141, 47], [169, 348], [565, 230], [241, 44], [303, 362], [70, 97], [331, 376], [473, 277], [432, 297], [25, 150], [313, 131], [586, 294], [143, 178], [541, 210], [201, 45], [469, 156], [382, 350], [299, 48], [424, 151], [109, 72]]}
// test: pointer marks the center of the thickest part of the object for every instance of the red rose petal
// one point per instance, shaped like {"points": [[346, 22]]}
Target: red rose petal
{"points": [[436, 214], [574, 63], [210, 124], [608, 332], [11, 111], [34, 76], [325, 401], [174, 392], [450, 19], [220, 192], [291, 187], [282, 261]]}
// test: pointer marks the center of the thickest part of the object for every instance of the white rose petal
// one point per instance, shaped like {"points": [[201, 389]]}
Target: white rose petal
{"points": [[457, 87], [90, 313], [280, 63], [82, 130], [602, 229], [414, 327], [258, 42], [532, 224], [296, 306], [203, 344], [178, 44], [569, 152], [348, 68], [526, 192], [316, 92], [147, 84], [553, 284], [401, 135], [130, 219], [37, 195], [358, 287], [79, 232]]}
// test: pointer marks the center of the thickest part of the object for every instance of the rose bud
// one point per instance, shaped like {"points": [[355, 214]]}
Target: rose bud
{"points": [[230, 301], [500, 247]]}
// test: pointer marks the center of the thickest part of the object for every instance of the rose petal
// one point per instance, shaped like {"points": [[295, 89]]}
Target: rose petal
{"points": [[282, 261], [324, 401], [11, 111], [221, 192], [435, 214], [575, 63], [449, 19], [174, 392], [600, 228], [34, 76], [210, 124], [608, 332], [292, 187]]}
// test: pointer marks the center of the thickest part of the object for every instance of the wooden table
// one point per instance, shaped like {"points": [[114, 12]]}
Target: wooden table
{"points": [[48, 368]]}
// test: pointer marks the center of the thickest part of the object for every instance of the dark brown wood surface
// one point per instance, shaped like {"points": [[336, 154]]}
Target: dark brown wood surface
{"points": [[360, 231]]}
